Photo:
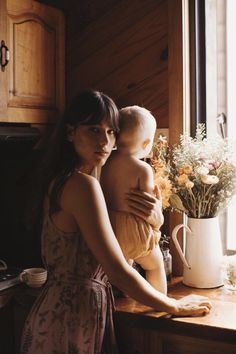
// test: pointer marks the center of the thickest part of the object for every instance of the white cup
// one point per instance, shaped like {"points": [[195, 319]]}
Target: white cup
{"points": [[34, 277]]}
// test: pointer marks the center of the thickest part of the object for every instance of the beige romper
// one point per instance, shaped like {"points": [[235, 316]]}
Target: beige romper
{"points": [[136, 237]]}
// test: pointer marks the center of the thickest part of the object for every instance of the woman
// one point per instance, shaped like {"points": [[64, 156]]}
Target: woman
{"points": [[73, 314]]}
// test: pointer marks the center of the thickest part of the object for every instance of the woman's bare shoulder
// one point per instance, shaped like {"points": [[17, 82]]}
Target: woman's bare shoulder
{"points": [[79, 182], [78, 189]]}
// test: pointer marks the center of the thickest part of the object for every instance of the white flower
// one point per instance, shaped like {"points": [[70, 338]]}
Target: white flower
{"points": [[189, 185], [209, 179], [202, 170], [202, 173], [229, 269]]}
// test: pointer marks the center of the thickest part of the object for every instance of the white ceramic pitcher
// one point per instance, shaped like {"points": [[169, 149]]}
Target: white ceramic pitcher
{"points": [[201, 253]]}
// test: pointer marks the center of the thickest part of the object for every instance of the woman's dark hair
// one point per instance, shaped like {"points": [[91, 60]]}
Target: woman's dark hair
{"points": [[88, 108]]}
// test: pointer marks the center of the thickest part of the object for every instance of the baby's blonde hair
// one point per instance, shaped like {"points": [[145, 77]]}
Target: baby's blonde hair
{"points": [[136, 125]]}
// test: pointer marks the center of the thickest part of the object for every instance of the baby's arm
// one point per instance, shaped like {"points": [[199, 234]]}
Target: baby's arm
{"points": [[146, 180], [146, 185]]}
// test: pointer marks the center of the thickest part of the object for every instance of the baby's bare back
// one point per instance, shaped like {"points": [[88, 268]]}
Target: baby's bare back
{"points": [[120, 174]]}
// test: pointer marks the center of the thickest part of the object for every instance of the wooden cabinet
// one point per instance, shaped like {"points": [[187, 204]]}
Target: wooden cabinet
{"points": [[7, 329], [140, 339], [141, 330], [32, 84], [15, 305]]}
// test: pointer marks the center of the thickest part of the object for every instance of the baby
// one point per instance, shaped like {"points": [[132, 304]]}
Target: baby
{"points": [[124, 171]]}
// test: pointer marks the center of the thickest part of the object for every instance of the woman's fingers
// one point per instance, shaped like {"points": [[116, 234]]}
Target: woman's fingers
{"points": [[140, 196], [139, 209], [193, 305], [195, 299], [197, 311], [139, 205], [142, 200], [145, 206], [193, 310]]}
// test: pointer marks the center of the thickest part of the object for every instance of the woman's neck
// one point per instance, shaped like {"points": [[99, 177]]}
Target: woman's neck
{"points": [[85, 169]]}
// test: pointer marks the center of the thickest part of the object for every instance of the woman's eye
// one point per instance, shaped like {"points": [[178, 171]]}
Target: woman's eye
{"points": [[94, 129], [111, 131]]}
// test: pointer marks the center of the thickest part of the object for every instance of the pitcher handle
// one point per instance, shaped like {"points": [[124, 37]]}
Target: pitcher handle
{"points": [[177, 245]]}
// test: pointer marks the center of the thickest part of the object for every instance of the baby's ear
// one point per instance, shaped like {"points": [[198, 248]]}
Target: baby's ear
{"points": [[146, 143]]}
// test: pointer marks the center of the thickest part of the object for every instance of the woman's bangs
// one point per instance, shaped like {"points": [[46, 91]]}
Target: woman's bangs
{"points": [[93, 119], [110, 115], [113, 118]]}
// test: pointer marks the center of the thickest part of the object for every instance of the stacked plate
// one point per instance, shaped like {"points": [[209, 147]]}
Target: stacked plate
{"points": [[9, 277]]}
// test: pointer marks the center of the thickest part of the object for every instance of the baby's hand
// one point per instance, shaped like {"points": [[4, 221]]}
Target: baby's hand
{"points": [[157, 193]]}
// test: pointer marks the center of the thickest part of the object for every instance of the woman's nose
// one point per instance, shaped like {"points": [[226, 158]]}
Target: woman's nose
{"points": [[104, 139]]}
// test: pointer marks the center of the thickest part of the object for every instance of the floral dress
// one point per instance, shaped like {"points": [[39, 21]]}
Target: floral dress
{"points": [[73, 313]]}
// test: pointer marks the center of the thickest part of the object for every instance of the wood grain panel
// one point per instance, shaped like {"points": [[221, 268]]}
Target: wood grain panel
{"points": [[28, 87], [175, 81], [102, 28], [123, 53], [34, 78], [126, 48]]}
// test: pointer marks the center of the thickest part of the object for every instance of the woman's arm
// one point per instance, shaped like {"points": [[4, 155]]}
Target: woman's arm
{"points": [[83, 198], [146, 206]]}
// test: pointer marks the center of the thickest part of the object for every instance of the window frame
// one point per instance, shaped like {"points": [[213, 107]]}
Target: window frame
{"points": [[230, 28]]}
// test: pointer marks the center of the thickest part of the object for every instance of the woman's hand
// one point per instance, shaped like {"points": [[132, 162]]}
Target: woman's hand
{"points": [[192, 305], [146, 206]]}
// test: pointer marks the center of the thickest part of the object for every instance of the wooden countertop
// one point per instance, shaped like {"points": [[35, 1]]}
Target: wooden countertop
{"points": [[220, 323]]}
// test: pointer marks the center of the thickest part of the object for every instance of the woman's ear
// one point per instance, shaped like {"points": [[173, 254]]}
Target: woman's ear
{"points": [[70, 132]]}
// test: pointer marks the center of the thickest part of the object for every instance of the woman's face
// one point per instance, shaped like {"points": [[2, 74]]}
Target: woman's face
{"points": [[93, 144]]}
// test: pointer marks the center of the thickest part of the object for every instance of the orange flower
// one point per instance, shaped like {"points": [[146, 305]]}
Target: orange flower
{"points": [[182, 179], [187, 170], [166, 189]]}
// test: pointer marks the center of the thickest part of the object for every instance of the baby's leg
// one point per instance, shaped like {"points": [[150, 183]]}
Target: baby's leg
{"points": [[154, 267], [130, 262]]}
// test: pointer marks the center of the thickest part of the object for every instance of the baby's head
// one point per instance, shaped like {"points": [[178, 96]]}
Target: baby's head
{"points": [[137, 131]]}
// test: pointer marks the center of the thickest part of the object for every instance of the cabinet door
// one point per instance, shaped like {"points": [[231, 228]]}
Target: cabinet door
{"points": [[133, 338], [3, 75], [178, 344], [35, 73]]}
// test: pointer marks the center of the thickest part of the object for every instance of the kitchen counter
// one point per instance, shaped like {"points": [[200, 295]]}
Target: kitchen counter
{"points": [[137, 325], [140, 330]]}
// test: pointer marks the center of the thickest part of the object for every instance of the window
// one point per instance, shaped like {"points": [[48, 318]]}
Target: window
{"points": [[231, 106], [221, 87]]}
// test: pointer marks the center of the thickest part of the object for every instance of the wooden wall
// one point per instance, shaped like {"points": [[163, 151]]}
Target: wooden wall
{"points": [[121, 48], [132, 50]]}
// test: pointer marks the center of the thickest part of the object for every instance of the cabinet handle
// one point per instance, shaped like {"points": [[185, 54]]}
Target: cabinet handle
{"points": [[4, 55]]}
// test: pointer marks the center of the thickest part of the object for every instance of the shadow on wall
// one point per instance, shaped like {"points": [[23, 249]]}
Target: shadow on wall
{"points": [[19, 245]]}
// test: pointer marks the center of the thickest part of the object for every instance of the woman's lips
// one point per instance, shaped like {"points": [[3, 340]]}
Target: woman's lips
{"points": [[101, 153]]}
